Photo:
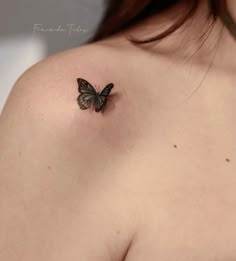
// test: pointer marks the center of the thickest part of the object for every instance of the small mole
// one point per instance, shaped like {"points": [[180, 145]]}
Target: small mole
{"points": [[49, 168], [117, 231], [19, 153], [175, 146], [228, 160]]}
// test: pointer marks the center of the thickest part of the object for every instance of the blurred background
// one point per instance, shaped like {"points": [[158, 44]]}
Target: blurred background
{"points": [[31, 30]]}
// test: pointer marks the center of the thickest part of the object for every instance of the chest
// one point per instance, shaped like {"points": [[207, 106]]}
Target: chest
{"points": [[186, 212], [185, 173]]}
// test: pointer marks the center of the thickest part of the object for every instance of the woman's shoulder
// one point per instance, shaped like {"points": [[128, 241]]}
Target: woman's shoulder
{"points": [[43, 116], [44, 97], [43, 101]]}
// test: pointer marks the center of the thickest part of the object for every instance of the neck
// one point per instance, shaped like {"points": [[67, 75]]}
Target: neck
{"points": [[215, 44]]}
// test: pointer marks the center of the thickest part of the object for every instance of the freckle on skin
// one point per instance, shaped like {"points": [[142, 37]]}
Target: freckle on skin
{"points": [[49, 168], [175, 146], [228, 160]]}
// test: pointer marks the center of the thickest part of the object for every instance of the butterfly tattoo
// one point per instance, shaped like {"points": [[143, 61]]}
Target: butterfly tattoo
{"points": [[89, 96]]}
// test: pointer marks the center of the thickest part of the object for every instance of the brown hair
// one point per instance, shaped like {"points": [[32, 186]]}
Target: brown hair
{"points": [[121, 14]]}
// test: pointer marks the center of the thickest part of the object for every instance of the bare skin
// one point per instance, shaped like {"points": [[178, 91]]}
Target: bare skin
{"points": [[152, 178]]}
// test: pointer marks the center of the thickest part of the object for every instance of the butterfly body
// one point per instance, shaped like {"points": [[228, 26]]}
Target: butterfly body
{"points": [[90, 97]]}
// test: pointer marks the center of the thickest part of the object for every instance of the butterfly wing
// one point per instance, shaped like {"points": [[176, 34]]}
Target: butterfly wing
{"points": [[106, 91], [88, 94], [85, 87], [85, 100], [101, 99]]}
